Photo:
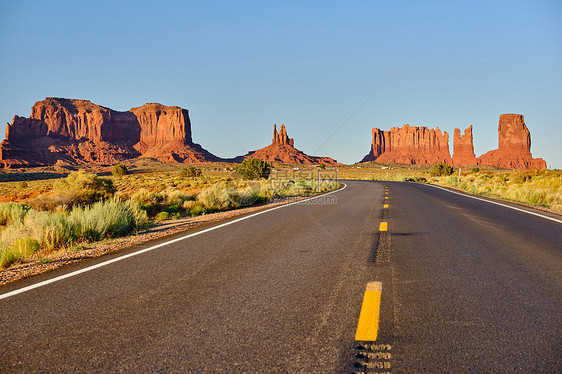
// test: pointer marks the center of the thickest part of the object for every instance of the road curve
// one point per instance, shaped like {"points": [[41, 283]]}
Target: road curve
{"points": [[467, 286]]}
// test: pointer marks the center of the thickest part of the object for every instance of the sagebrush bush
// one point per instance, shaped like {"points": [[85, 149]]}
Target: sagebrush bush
{"points": [[111, 218], [164, 216], [176, 197], [26, 246], [9, 257], [194, 208], [217, 198], [12, 212], [104, 219], [80, 187], [147, 197], [54, 230]]}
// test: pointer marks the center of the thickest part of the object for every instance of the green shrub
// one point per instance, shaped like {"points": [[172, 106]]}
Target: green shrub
{"points": [[172, 209], [26, 246], [164, 216], [24, 184], [254, 168], [111, 218], [416, 179], [194, 208], [176, 197], [475, 169], [12, 212], [190, 171], [9, 257], [151, 208], [53, 230], [217, 198], [441, 170], [80, 187], [148, 197], [119, 170]]}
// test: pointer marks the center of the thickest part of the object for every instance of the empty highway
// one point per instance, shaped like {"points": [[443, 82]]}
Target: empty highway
{"points": [[467, 287]]}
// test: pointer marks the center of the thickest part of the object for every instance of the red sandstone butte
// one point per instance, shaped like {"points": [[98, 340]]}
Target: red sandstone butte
{"points": [[409, 145], [282, 150], [78, 131], [514, 146], [463, 148]]}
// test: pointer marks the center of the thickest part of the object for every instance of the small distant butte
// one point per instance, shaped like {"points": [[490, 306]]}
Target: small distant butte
{"points": [[282, 150]]}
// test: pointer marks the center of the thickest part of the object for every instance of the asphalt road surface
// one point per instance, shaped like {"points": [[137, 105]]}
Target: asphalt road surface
{"points": [[467, 287]]}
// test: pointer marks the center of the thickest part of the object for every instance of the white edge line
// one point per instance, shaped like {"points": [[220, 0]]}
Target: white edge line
{"points": [[495, 202], [101, 264]]}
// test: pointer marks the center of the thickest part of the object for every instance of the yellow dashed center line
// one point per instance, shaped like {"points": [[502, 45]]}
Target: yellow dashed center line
{"points": [[385, 206], [386, 197], [383, 226], [368, 325]]}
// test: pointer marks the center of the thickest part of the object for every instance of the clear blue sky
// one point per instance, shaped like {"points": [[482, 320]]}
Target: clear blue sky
{"points": [[306, 64]]}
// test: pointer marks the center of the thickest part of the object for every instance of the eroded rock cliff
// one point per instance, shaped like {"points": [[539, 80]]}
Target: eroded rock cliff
{"points": [[463, 148], [514, 146], [78, 131], [420, 145], [409, 145]]}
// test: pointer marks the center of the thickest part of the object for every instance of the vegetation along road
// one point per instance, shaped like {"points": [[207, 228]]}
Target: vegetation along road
{"points": [[467, 286]]}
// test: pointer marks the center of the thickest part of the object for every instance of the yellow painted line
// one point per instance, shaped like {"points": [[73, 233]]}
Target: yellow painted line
{"points": [[386, 205], [383, 226], [368, 325], [386, 197]]}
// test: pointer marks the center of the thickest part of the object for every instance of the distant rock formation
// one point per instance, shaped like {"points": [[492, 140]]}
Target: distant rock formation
{"points": [[78, 131], [282, 150], [463, 148], [409, 145], [281, 137], [514, 146], [420, 145]]}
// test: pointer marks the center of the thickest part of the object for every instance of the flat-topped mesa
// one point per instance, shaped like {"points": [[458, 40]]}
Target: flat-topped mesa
{"points": [[409, 145], [160, 124], [514, 146], [282, 150], [281, 137], [463, 148], [75, 120], [78, 131]]}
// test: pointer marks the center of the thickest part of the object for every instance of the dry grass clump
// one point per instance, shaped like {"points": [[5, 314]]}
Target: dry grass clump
{"points": [[79, 187], [49, 231], [535, 187], [12, 212]]}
